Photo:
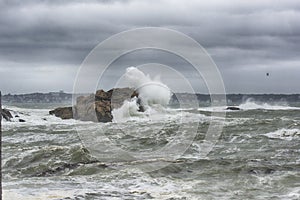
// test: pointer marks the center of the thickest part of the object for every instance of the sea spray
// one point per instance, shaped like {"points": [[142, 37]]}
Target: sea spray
{"points": [[151, 91], [127, 110], [252, 105], [153, 95]]}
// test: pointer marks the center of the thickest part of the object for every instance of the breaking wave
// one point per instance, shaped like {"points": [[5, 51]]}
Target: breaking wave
{"points": [[154, 96], [251, 105]]}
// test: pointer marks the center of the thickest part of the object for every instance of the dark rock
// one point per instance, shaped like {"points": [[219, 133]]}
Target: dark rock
{"points": [[119, 95], [98, 107], [64, 113], [232, 108], [22, 120], [85, 108], [141, 107], [6, 114], [269, 171], [103, 111], [102, 95], [17, 116]]}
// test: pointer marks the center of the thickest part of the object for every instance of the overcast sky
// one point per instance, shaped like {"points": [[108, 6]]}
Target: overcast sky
{"points": [[42, 43]]}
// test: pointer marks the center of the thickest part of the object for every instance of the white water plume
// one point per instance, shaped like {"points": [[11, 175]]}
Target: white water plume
{"points": [[153, 94]]}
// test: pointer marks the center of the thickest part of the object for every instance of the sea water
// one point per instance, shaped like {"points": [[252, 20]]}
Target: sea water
{"points": [[257, 156]]}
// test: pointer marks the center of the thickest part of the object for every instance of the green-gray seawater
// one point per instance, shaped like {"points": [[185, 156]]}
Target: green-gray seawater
{"points": [[257, 156]]}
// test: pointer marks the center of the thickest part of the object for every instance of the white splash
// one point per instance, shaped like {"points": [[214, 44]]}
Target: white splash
{"points": [[126, 111], [151, 91], [153, 95], [251, 105]]}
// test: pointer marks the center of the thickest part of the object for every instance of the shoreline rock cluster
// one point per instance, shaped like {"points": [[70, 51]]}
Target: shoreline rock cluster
{"points": [[6, 114], [96, 107]]}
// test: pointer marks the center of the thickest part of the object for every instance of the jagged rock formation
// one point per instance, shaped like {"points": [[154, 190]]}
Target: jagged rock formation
{"points": [[96, 107], [64, 113], [6, 114]]}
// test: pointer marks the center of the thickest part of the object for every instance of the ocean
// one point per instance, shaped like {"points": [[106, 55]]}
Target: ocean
{"points": [[256, 156]]}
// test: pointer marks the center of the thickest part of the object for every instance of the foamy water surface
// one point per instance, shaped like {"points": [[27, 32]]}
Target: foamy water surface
{"points": [[256, 156]]}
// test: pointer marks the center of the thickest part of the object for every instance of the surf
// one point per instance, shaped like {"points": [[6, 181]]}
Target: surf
{"points": [[154, 96]]}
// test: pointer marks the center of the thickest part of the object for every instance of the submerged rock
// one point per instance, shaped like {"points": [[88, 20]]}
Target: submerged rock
{"points": [[22, 120], [97, 107]]}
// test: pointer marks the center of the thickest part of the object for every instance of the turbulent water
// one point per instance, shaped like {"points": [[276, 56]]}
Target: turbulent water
{"points": [[257, 156]]}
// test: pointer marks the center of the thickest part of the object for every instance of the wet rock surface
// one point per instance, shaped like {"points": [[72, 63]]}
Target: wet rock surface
{"points": [[64, 112], [9, 115], [232, 108], [6, 114], [97, 107]]}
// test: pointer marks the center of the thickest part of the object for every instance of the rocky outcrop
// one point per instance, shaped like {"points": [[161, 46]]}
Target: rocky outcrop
{"points": [[85, 108], [6, 114], [64, 113], [97, 107]]}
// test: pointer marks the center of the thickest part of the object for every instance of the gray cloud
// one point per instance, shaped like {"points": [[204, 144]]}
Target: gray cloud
{"points": [[246, 39]]}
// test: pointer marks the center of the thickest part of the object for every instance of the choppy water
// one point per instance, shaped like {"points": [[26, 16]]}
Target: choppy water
{"points": [[257, 156]]}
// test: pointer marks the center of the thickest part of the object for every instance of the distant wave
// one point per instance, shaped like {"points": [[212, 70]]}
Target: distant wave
{"points": [[251, 105], [248, 105]]}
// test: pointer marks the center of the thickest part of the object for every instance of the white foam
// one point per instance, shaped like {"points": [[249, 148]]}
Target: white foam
{"points": [[250, 105], [41, 195], [34, 117], [284, 134], [294, 193], [151, 91], [126, 111], [153, 96], [213, 109]]}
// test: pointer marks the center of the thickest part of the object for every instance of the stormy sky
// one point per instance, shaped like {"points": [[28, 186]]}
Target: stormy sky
{"points": [[43, 43]]}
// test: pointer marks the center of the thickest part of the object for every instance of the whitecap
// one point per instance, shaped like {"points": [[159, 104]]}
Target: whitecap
{"points": [[284, 134]]}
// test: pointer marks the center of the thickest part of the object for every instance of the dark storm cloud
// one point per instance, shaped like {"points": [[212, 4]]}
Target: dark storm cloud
{"points": [[249, 37]]}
